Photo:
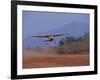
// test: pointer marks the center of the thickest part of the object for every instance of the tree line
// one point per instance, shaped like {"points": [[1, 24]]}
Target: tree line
{"points": [[71, 44]]}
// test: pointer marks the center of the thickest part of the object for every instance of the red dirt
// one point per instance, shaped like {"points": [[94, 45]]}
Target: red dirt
{"points": [[46, 58]]}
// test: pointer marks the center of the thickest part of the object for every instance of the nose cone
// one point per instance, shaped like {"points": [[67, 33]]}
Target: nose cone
{"points": [[52, 37]]}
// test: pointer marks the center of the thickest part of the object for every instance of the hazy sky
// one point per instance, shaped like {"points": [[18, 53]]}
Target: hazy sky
{"points": [[41, 22]]}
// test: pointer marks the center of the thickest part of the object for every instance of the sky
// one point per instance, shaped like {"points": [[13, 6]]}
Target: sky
{"points": [[35, 22]]}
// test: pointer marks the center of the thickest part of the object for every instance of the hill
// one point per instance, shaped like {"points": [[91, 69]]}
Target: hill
{"points": [[77, 30]]}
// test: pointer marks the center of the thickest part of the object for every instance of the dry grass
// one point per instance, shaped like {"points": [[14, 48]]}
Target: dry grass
{"points": [[49, 58]]}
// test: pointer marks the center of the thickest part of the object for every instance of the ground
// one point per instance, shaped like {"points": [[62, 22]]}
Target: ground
{"points": [[50, 58]]}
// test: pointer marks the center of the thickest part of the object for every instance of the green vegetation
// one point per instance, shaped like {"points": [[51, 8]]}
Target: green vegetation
{"points": [[74, 45]]}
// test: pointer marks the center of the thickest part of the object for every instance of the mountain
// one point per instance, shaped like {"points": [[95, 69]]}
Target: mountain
{"points": [[30, 42], [75, 29]]}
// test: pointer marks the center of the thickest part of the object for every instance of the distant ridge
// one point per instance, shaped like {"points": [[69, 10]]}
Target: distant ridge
{"points": [[77, 30]]}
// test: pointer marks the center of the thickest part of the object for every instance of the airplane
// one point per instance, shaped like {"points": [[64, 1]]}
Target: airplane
{"points": [[49, 36]]}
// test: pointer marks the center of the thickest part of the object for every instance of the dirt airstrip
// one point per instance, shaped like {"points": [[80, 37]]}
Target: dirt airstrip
{"points": [[49, 58]]}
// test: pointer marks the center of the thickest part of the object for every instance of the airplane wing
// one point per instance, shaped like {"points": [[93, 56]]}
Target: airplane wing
{"points": [[58, 34], [41, 36]]}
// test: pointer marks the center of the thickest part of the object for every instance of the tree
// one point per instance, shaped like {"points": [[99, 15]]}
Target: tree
{"points": [[66, 40]]}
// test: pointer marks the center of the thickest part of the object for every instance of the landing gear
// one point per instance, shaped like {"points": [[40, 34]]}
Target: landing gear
{"points": [[47, 42]]}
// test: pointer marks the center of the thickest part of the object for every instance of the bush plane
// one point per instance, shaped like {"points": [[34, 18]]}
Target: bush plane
{"points": [[49, 36]]}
